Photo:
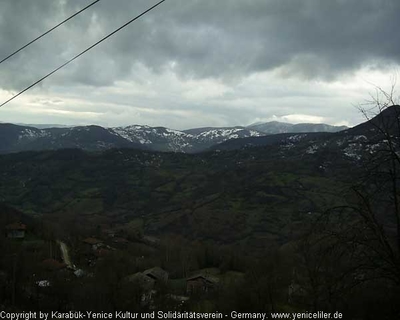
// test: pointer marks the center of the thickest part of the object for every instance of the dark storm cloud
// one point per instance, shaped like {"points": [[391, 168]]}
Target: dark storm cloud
{"points": [[226, 39]]}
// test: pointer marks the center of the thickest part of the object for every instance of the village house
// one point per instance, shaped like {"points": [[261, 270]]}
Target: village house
{"points": [[148, 278], [102, 252], [147, 281], [145, 284], [53, 265], [152, 241], [49, 270], [120, 242], [16, 231], [109, 233], [201, 283], [157, 274], [93, 243]]}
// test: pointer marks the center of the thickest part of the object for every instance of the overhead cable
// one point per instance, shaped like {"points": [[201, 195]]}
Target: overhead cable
{"points": [[48, 31], [80, 54]]}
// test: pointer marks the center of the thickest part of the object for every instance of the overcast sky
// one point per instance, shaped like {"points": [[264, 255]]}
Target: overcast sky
{"points": [[194, 63]]}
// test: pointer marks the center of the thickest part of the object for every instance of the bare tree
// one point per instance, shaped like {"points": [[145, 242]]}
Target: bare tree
{"points": [[378, 193], [357, 244]]}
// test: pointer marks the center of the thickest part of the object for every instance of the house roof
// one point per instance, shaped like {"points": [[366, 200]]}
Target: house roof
{"points": [[102, 252], [142, 280], [109, 232], [156, 273], [52, 264], [150, 239], [120, 240], [16, 226], [210, 279], [92, 241]]}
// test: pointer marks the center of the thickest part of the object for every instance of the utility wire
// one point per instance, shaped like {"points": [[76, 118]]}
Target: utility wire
{"points": [[48, 31], [78, 55]]}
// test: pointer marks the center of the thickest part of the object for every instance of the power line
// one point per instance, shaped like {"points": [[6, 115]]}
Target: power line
{"points": [[78, 55], [48, 31]]}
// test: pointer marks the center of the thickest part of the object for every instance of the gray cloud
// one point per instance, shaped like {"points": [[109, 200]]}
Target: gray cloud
{"points": [[204, 38], [224, 41]]}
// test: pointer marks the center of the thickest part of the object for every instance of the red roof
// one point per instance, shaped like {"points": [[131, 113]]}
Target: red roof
{"points": [[52, 264], [16, 226], [101, 252], [92, 241]]}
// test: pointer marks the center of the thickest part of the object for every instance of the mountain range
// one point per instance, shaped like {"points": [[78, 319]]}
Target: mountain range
{"points": [[16, 138], [251, 191], [274, 127], [315, 202]]}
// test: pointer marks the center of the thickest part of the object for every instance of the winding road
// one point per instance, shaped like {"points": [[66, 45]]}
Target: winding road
{"points": [[65, 254]]}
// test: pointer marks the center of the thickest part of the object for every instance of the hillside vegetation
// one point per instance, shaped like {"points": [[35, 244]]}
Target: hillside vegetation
{"points": [[295, 221]]}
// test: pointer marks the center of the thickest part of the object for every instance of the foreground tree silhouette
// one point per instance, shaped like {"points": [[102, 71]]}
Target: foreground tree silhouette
{"points": [[378, 194], [352, 255]]}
